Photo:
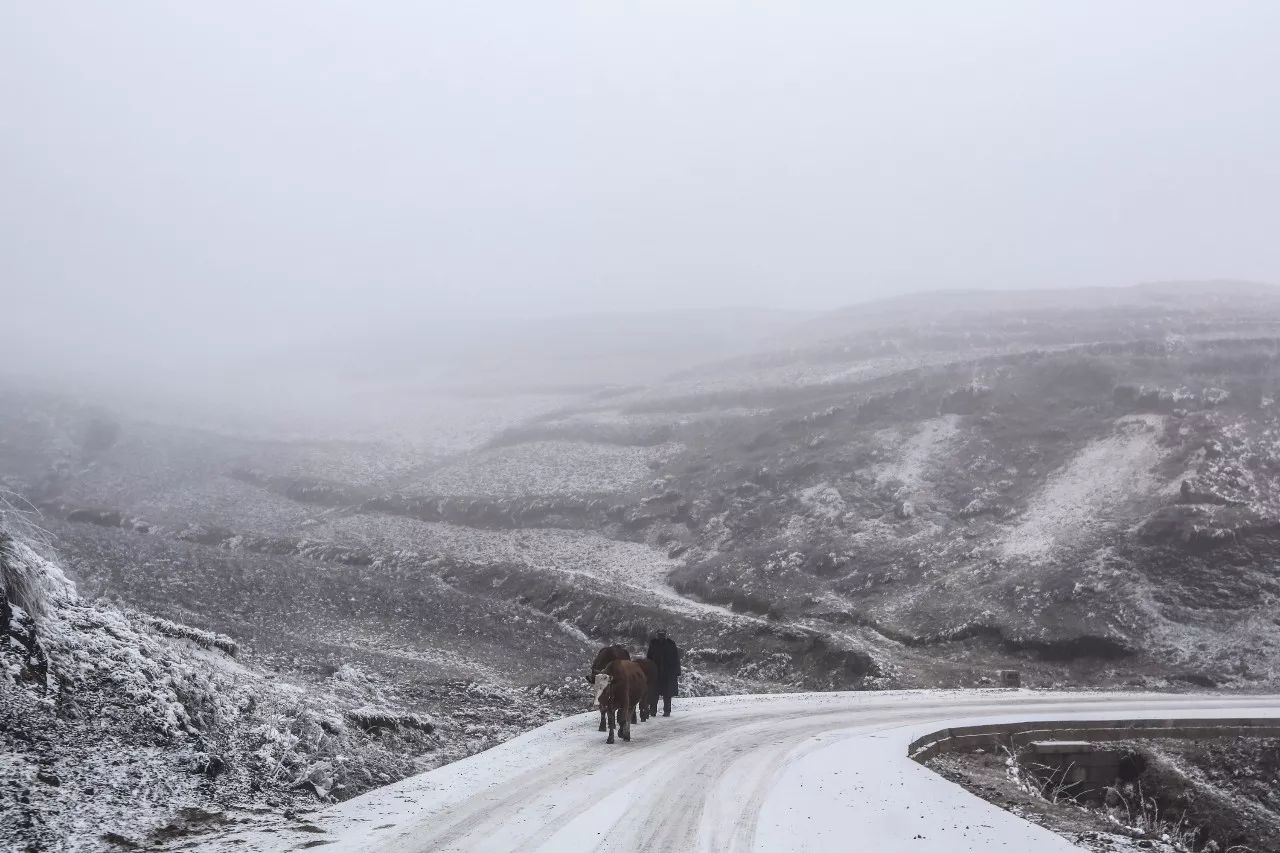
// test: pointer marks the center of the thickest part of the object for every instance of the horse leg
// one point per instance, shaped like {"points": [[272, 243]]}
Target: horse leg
{"points": [[611, 718], [602, 727], [624, 719]]}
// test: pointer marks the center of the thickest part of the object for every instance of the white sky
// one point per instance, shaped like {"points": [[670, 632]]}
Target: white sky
{"points": [[221, 172]]}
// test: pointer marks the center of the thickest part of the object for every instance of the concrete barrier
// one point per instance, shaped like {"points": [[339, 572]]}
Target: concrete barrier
{"points": [[1016, 735]]}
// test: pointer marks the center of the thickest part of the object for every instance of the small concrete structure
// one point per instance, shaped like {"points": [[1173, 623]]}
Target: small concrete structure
{"points": [[1010, 678], [1078, 766]]}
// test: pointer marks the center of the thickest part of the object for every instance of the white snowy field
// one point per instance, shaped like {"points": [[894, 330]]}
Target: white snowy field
{"points": [[797, 772]]}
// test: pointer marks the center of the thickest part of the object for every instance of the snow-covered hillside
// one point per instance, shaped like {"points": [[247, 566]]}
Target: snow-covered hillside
{"points": [[120, 729], [1083, 489]]}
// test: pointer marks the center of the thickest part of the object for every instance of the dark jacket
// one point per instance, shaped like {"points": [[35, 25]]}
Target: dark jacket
{"points": [[663, 652]]}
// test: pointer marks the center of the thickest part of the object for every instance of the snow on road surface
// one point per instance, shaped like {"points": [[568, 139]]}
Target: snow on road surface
{"points": [[797, 772]]}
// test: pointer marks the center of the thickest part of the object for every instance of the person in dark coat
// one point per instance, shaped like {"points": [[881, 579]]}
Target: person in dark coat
{"points": [[662, 651]]}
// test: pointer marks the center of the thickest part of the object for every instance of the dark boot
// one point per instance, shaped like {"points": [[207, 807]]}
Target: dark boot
{"points": [[666, 706]]}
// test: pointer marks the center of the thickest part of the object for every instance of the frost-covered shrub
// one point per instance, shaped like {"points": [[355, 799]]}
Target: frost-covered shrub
{"points": [[371, 718], [775, 667], [30, 581], [205, 639]]}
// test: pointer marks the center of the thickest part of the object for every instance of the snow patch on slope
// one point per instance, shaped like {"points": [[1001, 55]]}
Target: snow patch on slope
{"points": [[823, 501], [547, 468], [1078, 497], [550, 549], [917, 452], [624, 417], [632, 570]]}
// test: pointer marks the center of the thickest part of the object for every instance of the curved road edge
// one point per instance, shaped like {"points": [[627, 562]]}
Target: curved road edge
{"points": [[810, 772]]}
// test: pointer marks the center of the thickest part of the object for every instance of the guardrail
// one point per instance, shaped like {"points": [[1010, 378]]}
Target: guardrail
{"points": [[1016, 735]]}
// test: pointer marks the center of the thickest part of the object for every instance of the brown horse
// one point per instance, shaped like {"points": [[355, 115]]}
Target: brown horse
{"points": [[603, 658], [619, 687]]}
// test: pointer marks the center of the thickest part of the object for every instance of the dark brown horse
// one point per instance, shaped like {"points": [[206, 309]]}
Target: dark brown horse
{"points": [[603, 658], [619, 687], [649, 702]]}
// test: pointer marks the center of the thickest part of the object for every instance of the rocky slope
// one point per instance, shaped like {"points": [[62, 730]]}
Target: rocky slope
{"points": [[120, 729], [1111, 502]]}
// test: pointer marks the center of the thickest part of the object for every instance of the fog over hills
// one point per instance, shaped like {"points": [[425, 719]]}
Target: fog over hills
{"points": [[1080, 485], [369, 367]]}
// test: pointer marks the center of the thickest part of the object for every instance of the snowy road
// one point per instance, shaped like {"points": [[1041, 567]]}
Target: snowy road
{"points": [[805, 772]]}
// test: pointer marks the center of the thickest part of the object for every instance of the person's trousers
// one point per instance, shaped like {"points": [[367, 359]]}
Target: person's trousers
{"points": [[666, 705]]}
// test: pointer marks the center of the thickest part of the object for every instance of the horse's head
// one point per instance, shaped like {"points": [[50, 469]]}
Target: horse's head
{"points": [[601, 660], [607, 655], [598, 685]]}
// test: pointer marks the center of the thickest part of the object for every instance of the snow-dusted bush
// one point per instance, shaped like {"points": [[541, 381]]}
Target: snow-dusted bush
{"points": [[30, 582], [372, 718], [205, 639], [27, 580]]}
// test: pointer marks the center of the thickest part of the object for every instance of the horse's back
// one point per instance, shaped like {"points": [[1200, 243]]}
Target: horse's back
{"points": [[631, 673]]}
